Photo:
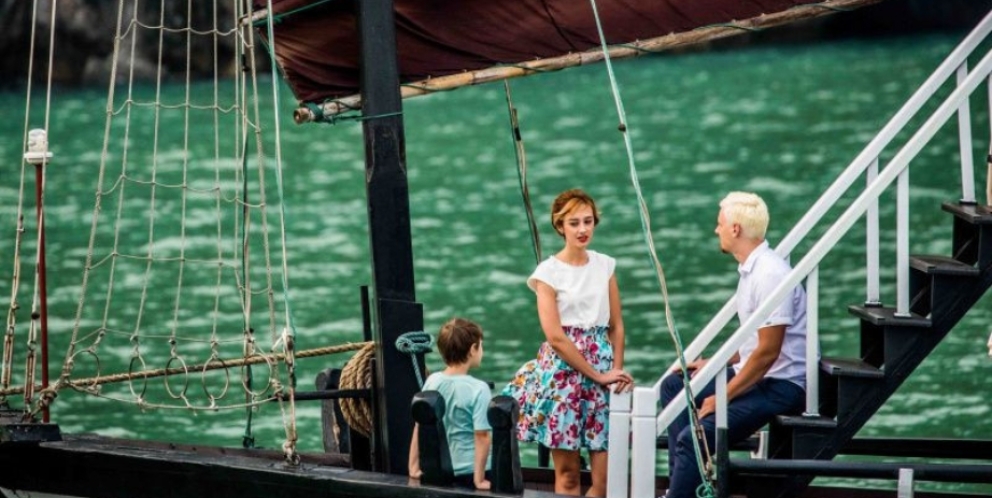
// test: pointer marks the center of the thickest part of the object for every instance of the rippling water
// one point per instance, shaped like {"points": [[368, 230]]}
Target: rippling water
{"points": [[781, 121]]}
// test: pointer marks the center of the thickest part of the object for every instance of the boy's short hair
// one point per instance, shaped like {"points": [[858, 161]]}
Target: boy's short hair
{"points": [[456, 338]]}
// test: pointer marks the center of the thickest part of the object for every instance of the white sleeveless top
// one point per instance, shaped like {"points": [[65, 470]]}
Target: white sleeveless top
{"points": [[583, 292]]}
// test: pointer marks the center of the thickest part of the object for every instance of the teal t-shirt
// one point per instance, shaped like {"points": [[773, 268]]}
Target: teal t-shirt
{"points": [[466, 400]]}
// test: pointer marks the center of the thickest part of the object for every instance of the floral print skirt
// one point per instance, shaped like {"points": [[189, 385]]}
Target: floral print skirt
{"points": [[559, 407]]}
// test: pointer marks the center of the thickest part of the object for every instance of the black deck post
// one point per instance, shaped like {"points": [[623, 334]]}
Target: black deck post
{"points": [[396, 310]]}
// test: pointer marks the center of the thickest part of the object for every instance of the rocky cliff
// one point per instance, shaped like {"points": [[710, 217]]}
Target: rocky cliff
{"points": [[84, 40]]}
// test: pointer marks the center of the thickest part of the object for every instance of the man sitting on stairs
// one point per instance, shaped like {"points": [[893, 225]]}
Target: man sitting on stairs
{"points": [[767, 376]]}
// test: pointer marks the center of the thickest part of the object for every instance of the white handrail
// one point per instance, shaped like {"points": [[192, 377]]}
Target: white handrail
{"points": [[896, 167], [847, 178]]}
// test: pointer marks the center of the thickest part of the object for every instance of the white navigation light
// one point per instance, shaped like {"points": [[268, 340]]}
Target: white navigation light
{"points": [[37, 147]]}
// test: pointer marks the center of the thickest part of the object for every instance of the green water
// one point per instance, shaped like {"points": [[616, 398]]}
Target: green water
{"points": [[780, 121]]}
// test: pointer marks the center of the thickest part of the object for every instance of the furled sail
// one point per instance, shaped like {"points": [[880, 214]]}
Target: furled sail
{"points": [[317, 49]]}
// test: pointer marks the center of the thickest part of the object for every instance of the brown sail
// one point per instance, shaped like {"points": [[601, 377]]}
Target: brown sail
{"points": [[317, 48]]}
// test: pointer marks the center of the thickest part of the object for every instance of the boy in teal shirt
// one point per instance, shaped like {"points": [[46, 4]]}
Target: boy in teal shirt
{"points": [[466, 400]]}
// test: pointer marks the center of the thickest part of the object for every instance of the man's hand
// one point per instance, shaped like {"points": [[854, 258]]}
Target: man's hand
{"points": [[707, 408], [692, 366]]}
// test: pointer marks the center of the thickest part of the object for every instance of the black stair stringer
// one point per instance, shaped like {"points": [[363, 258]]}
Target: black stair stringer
{"points": [[918, 342]]}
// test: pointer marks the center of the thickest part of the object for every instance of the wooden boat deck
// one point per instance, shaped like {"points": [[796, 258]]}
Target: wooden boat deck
{"points": [[89, 465]]}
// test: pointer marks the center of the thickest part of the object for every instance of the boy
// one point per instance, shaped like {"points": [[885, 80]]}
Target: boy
{"points": [[466, 401]]}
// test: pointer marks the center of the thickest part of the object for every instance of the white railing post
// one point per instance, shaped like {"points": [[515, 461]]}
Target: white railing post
{"points": [[618, 457], [902, 244], [874, 295], [721, 399], [905, 489], [988, 159], [964, 135], [813, 343], [645, 443], [720, 459]]}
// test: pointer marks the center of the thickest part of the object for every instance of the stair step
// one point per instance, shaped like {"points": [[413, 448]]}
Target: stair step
{"points": [[941, 265], [976, 214], [806, 422], [881, 316], [850, 367]]}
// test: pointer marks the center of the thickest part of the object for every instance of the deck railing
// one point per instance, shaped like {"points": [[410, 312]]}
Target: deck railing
{"points": [[643, 421]]}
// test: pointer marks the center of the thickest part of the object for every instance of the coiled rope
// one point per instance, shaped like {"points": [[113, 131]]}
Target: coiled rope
{"points": [[357, 374]]}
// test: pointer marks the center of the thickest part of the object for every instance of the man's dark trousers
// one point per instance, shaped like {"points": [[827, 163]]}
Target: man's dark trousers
{"points": [[746, 414]]}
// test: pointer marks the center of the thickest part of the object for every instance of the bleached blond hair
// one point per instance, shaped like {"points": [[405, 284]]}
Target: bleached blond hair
{"points": [[748, 211]]}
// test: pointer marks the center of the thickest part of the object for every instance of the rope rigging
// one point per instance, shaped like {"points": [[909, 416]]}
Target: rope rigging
{"points": [[703, 457], [36, 144], [521, 154], [147, 278]]}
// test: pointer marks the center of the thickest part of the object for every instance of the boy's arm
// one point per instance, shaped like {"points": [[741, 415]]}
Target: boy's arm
{"points": [[482, 442], [414, 463]]}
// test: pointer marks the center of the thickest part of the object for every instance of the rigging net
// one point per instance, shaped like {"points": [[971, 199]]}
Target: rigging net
{"points": [[185, 272]]}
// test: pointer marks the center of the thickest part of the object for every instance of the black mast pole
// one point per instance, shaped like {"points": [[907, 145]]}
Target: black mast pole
{"points": [[388, 200]]}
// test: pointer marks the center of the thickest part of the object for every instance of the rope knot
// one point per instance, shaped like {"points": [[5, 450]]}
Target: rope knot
{"points": [[415, 343], [418, 342]]}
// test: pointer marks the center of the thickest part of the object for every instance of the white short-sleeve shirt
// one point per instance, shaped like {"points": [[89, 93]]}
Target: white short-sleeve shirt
{"points": [[759, 275], [583, 292]]}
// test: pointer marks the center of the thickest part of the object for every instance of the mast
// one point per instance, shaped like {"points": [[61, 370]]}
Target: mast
{"points": [[387, 195]]}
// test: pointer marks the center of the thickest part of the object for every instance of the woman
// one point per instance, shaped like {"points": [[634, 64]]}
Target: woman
{"points": [[564, 393]]}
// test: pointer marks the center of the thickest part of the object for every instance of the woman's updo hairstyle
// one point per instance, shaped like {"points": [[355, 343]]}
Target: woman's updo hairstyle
{"points": [[567, 202]]}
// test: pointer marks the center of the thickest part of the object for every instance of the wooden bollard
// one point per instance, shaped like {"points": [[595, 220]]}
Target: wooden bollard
{"points": [[506, 474]]}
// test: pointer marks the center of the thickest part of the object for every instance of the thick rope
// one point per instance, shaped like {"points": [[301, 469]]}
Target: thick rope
{"points": [[706, 489], [357, 374], [213, 364], [30, 369], [518, 147], [15, 281], [290, 330]]}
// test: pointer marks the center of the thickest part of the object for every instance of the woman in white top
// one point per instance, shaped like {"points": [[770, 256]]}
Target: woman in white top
{"points": [[564, 392]]}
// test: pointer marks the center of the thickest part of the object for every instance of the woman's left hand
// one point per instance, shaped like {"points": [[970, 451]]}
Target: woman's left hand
{"points": [[622, 386], [618, 380]]}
